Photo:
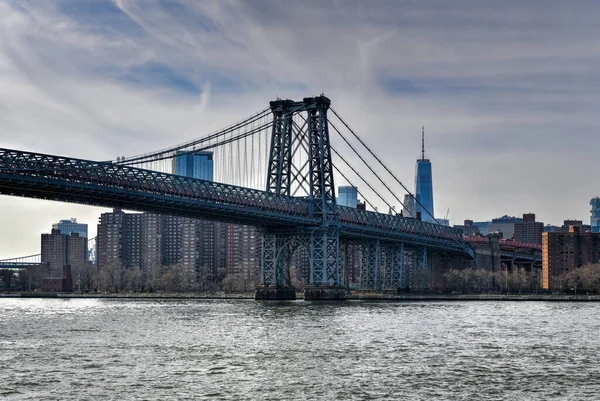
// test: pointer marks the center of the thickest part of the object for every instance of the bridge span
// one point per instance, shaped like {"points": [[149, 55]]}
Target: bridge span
{"points": [[313, 220]]}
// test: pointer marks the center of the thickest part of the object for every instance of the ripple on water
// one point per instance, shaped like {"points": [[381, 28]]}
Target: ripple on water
{"points": [[155, 350]]}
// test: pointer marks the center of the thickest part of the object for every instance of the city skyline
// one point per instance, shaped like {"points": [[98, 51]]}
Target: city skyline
{"points": [[99, 81]]}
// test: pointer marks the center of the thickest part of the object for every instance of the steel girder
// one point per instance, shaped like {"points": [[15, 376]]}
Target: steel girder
{"points": [[417, 268], [112, 185], [277, 252], [279, 179], [371, 268], [395, 275]]}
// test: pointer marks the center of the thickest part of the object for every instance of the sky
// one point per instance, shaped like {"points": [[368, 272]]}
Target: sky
{"points": [[507, 91]]}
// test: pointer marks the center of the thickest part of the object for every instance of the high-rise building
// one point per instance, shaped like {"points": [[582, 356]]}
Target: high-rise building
{"points": [[504, 225], [243, 251], [529, 231], [424, 185], [60, 249], [408, 210], [595, 215], [71, 226], [482, 226], [347, 196], [198, 164], [567, 224], [565, 251]]}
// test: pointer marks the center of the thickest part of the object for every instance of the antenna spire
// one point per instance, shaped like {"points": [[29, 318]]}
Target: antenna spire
{"points": [[422, 142]]}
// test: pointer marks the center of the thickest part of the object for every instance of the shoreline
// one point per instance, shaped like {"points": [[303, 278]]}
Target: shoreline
{"points": [[349, 297]]}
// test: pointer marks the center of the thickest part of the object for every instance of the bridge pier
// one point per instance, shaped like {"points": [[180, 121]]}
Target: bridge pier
{"points": [[321, 293], [274, 293]]}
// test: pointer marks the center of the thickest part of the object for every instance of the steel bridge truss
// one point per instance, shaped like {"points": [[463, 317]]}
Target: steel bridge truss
{"points": [[315, 178], [393, 266]]}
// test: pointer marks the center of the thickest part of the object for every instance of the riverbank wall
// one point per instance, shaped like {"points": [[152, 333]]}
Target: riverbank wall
{"points": [[359, 296]]}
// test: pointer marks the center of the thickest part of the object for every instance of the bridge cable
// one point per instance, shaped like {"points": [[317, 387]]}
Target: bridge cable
{"points": [[368, 166], [361, 177], [349, 182], [384, 166], [461, 244], [149, 156]]}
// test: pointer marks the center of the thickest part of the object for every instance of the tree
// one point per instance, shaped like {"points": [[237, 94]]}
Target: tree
{"points": [[6, 276]]}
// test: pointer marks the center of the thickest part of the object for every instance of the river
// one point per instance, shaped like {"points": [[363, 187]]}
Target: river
{"points": [[93, 349]]}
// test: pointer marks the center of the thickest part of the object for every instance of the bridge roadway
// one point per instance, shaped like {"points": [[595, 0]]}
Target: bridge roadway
{"points": [[107, 184]]}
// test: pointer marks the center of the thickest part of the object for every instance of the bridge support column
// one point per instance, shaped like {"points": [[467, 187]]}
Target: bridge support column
{"points": [[370, 275], [421, 268], [395, 273], [274, 279], [325, 283]]}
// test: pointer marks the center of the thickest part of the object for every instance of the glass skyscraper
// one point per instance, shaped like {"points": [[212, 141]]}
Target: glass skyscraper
{"points": [[194, 165], [347, 196], [595, 218], [424, 185]]}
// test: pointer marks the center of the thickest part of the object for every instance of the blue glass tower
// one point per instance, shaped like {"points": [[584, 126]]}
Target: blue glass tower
{"points": [[424, 184], [347, 196], [195, 165], [595, 217]]}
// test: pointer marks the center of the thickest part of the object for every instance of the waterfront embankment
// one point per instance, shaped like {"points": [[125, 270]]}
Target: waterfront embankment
{"points": [[353, 296]]}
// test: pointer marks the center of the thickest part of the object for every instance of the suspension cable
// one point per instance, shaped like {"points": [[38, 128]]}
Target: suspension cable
{"points": [[361, 177], [253, 118], [368, 166], [349, 182], [384, 166]]}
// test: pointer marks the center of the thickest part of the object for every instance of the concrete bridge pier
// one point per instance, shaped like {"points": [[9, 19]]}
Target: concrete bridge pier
{"points": [[324, 293], [274, 293]]}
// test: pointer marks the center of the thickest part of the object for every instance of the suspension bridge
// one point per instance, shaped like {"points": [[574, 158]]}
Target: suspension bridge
{"points": [[274, 170]]}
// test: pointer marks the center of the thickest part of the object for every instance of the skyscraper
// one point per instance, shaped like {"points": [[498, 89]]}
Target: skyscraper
{"points": [[197, 164], [424, 185], [409, 206], [347, 196], [595, 217]]}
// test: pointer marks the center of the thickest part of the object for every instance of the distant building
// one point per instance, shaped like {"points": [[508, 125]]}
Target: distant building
{"points": [[468, 228], [529, 231], [347, 196], [567, 224], [595, 215], [59, 249], [504, 225], [424, 185], [71, 226], [408, 209], [482, 226], [565, 251], [548, 228], [198, 164]]}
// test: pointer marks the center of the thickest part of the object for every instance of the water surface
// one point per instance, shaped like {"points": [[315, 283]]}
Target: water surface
{"points": [[92, 349]]}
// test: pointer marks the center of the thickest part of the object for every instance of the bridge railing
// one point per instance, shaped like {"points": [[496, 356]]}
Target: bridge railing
{"points": [[503, 242], [123, 180], [391, 223], [119, 177]]}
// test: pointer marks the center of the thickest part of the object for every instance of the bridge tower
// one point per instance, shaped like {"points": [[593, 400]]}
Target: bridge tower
{"points": [[302, 127]]}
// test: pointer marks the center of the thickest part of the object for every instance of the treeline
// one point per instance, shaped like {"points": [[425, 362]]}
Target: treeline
{"points": [[585, 279], [473, 281], [115, 278]]}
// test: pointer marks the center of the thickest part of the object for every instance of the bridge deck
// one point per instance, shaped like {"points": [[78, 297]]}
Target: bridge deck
{"points": [[108, 184]]}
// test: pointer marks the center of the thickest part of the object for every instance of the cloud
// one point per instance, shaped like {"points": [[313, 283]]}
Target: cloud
{"points": [[507, 91]]}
